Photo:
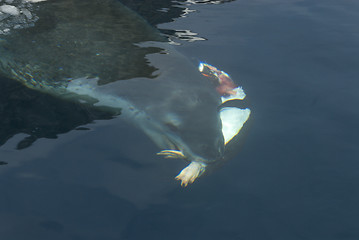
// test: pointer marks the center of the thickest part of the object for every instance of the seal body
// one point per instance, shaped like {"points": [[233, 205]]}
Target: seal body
{"points": [[102, 53]]}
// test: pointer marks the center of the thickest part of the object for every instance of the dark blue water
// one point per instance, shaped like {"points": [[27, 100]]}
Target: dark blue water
{"points": [[296, 175]]}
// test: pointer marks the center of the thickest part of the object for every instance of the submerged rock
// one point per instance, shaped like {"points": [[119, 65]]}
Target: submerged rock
{"points": [[9, 9]]}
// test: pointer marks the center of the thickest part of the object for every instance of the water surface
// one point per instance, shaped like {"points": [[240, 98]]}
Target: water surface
{"points": [[296, 172]]}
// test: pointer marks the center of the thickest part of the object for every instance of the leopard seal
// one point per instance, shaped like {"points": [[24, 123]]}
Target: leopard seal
{"points": [[101, 53]]}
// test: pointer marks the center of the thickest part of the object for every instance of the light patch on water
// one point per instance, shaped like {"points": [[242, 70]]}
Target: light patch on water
{"points": [[172, 119], [185, 35], [88, 87], [189, 36], [206, 1]]}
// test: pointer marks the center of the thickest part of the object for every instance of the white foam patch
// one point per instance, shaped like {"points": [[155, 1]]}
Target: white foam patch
{"points": [[238, 95], [232, 121]]}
